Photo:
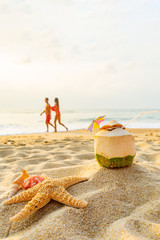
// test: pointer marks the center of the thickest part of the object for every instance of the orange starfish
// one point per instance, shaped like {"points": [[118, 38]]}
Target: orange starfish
{"points": [[43, 192]]}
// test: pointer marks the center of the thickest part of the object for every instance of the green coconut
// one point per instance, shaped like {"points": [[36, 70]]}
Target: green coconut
{"points": [[114, 146]]}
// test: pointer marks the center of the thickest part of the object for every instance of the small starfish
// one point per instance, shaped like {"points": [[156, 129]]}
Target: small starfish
{"points": [[43, 192]]}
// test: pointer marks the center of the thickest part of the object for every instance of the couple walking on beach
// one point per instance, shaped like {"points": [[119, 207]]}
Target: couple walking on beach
{"points": [[47, 111]]}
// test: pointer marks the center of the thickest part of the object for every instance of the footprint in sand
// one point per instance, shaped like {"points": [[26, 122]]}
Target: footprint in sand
{"points": [[76, 149], [62, 157], [62, 146], [6, 153], [39, 141], [55, 143], [36, 160], [48, 148], [23, 148], [155, 148], [155, 157], [33, 152], [56, 153], [5, 166], [50, 165], [67, 139], [142, 145], [87, 156], [10, 160], [21, 164], [37, 155], [20, 154]]}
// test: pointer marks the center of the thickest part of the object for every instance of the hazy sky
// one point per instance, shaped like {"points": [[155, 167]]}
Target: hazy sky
{"points": [[89, 53]]}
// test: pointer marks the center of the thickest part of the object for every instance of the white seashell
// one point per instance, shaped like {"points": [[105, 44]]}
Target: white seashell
{"points": [[14, 189]]}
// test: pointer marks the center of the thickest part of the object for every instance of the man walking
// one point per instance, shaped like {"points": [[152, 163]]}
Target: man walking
{"points": [[47, 111]]}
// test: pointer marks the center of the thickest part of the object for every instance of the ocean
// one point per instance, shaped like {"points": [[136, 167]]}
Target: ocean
{"points": [[20, 122]]}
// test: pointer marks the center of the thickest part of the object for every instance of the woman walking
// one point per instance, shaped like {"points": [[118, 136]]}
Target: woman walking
{"points": [[58, 114]]}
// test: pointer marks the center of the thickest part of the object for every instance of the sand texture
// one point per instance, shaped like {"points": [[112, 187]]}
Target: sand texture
{"points": [[123, 204]]}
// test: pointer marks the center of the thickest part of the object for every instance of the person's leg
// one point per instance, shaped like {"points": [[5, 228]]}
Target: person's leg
{"points": [[55, 124], [51, 125], [47, 126], [48, 117], [59, 120]]}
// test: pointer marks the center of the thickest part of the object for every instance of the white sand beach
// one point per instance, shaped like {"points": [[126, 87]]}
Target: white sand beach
{"points": [[122, 203]]}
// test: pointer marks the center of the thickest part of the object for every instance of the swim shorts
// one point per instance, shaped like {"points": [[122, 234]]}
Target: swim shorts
{"points": [[48, 118]]}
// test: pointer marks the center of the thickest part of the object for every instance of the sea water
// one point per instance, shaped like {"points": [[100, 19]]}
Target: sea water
{"points": [[19, 122]]}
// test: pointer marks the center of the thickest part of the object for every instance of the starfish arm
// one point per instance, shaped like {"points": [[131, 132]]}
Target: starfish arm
{"points": [[39, 201], [23, 196], [69, 181], [62, 196]]}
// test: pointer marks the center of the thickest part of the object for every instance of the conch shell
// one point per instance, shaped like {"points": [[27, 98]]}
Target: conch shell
{"points": [[18, 183]]}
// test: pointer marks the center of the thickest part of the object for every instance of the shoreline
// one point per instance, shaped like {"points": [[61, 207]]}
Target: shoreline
{"points": [[78, 131]]}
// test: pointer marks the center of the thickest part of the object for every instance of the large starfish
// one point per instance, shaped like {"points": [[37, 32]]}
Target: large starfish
{"points": [[43, 192]]}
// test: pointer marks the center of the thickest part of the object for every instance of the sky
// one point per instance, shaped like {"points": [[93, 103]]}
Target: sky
{"points": [[89, 53]]}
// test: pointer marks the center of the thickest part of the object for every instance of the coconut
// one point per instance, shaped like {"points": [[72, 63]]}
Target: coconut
{"points": [[114, 146]]}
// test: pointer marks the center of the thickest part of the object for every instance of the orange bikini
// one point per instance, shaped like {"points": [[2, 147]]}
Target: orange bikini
{"points": [[56, 109]]}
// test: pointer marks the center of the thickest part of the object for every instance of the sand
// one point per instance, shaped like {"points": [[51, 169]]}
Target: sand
{"points": [[122, 203]]}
